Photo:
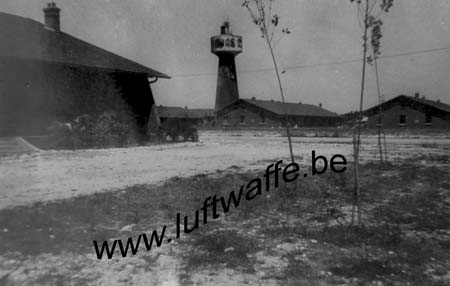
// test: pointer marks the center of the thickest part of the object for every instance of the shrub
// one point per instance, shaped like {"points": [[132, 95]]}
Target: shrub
{"points": [[60, 135], [109, 129]]}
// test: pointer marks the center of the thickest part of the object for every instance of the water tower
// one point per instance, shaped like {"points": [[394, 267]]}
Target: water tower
{"points": [[226, 46]]}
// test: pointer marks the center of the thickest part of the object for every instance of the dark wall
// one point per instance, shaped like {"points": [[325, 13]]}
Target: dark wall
{"points": [[33, 94], [137, 94], [227, 90]]}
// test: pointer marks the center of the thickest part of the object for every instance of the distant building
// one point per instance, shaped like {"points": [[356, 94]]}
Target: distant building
{"points": [[410, 112], [196, 117], [234, 112], [269, 113], [47, 75]]}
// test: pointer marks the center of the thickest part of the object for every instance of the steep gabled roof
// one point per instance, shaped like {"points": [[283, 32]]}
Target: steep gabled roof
{"points": [[26, 39], [434, 108], [291, 109]]}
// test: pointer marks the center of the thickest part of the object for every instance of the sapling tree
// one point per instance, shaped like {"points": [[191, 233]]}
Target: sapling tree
{"points": [[369, 12], [268, 23]]}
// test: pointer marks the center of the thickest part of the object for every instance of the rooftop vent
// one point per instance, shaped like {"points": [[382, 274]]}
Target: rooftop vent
{"points": [[51, 15], [225, 28]]}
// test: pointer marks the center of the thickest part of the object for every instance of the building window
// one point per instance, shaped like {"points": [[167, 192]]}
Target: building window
{"points": [[428, 119], [242, 119], [225, 120], [402, 119], [220, 43], [263, 119], [233, 43]]}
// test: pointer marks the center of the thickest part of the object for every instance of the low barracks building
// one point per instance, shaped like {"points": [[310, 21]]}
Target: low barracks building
{"points": [[269, 113], [410, 112]]}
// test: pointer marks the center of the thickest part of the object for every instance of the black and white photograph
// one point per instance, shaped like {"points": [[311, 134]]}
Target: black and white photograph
{"points": [[225, 142]]}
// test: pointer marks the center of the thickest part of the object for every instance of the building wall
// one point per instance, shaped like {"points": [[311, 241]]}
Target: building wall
{"points": [[414, 119], [241, 115], [34, 94]]}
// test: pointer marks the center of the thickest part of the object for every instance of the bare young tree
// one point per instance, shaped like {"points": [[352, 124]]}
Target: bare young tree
{"points": [[371, 25], [268, 23]]}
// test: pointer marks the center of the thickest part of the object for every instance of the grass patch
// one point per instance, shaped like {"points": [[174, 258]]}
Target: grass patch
{"points": [[220, 248], [406, 226]]}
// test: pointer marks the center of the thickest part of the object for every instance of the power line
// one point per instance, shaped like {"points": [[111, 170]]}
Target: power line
{"points": [[320, 64]]}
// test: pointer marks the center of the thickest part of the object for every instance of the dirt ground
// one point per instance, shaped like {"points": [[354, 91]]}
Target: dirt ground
{"points": [[51, 175], [293, 236]]}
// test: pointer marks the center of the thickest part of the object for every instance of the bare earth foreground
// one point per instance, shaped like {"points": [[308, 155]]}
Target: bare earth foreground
{"points": [[53, 175], [53, 204]]}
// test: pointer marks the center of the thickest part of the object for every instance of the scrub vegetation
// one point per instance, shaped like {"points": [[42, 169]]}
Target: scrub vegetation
{"points": [[271, 240]]}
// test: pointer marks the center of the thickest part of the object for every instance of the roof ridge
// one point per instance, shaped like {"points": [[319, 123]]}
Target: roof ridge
{"points": [[291, 108]]}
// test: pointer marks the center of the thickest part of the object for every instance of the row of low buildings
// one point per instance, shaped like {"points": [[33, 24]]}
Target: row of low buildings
{"points": [[48, 75], [404, 112]]}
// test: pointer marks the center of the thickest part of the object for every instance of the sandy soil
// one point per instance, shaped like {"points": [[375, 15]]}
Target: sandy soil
{"points": [[50, 175], [63, 174]]}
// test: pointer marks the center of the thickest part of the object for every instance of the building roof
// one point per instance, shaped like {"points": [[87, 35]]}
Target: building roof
{"points": [[26, 39], [435, 108], [436, 104], [201, 112], [291, 109], [180, 112]]}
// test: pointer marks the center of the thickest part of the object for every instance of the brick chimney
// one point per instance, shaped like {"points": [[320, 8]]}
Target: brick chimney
{"points": [[51, 14]]}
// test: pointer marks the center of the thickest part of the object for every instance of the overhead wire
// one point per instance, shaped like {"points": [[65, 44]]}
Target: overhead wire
{"points": [[343, 62]]}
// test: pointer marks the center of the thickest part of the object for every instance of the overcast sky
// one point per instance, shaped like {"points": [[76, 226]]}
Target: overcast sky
{"points": [[173, 36]]}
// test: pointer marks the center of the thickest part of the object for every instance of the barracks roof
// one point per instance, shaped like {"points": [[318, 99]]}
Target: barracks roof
{"points": [[291, 109], [436, 108]]}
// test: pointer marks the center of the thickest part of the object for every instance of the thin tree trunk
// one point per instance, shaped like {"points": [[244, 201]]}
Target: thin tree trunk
{"points": [[282, 95], [358, 127], [354, 152], [380, 148]]}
